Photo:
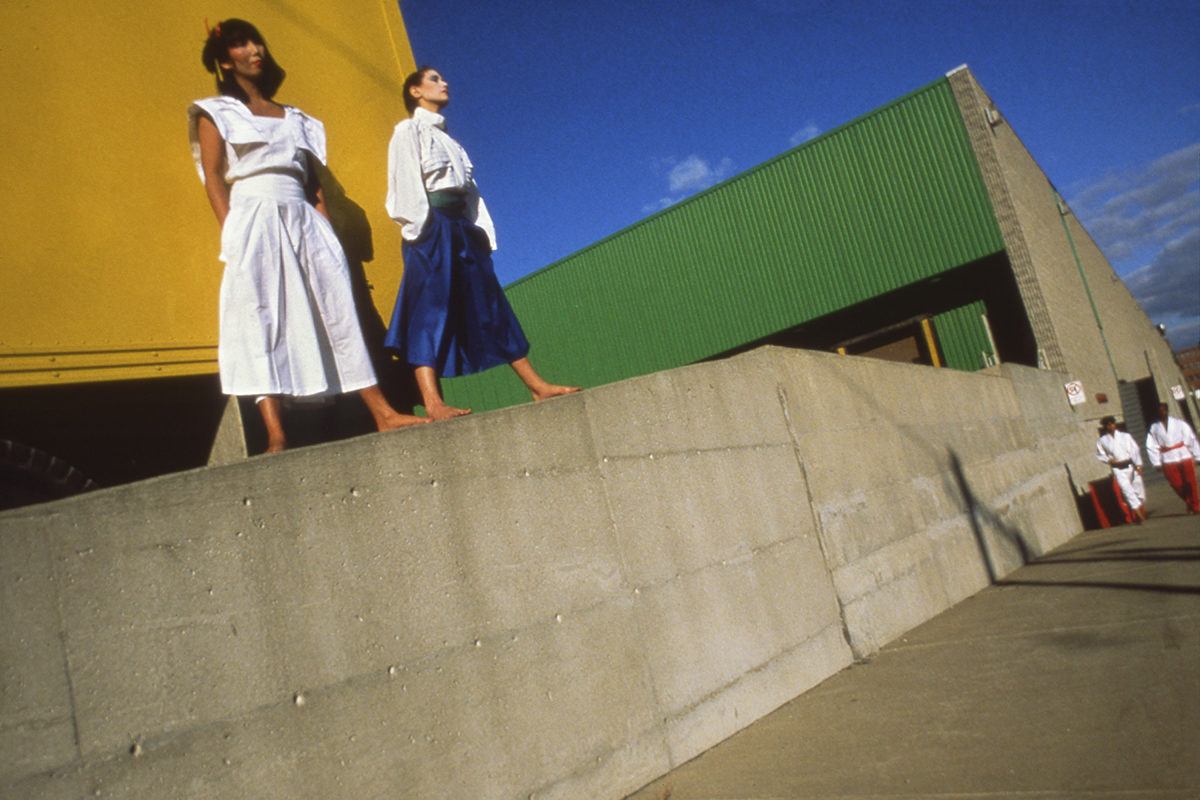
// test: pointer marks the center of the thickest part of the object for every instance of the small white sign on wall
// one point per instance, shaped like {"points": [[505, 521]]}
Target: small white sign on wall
{"points": [[1177, 392], [1075, 393]]}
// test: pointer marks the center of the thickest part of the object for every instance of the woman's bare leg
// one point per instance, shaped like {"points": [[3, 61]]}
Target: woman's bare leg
{"points": [[539, 388], [272, 417], [386, 417], [431, 396]]}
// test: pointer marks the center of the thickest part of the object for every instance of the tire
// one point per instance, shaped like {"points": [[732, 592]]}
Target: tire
{"points": [[29, 475]]}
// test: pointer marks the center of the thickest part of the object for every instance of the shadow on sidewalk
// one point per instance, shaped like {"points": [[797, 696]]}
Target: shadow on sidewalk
{"points": [[1108, 551], [1127, 549]]}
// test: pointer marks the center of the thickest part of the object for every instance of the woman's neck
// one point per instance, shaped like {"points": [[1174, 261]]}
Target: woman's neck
{"points": [[255, 100], [251, 89]]}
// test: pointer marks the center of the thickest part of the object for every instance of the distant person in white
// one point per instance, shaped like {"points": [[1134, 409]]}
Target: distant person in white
{"points": [[1172, 447], [288, 321], [1120, 451]]}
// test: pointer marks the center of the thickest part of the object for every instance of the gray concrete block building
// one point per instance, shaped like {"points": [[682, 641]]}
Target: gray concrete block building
{"points": [[1085, 321]]}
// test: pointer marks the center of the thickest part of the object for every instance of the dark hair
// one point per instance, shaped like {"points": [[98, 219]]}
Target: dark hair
{"points": [[1104, 422], [415, 79], [229, 33]]}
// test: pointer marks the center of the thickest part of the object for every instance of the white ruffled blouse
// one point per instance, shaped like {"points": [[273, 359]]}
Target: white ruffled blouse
{"points": [[254, 144], [422, 158]]}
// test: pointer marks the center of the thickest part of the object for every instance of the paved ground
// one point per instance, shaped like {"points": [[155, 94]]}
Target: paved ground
{"points": [[1076, 677]]}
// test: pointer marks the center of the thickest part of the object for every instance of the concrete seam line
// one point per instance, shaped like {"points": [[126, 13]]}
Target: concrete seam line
{"points": [[781, 393]]}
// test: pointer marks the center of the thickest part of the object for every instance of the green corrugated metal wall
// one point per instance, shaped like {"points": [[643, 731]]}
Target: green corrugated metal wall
{"points": [[886, 200], [962, 336]]}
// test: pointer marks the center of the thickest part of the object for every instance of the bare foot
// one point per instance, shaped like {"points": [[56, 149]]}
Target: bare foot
{"points": [[552, 390], [398, 420], [276, 446], [440, 412]]}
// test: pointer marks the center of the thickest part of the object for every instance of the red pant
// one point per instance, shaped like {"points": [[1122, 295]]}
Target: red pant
{"points": [[1182, 477]]}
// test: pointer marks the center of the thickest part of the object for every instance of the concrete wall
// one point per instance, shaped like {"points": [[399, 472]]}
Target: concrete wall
{"points": [[559, 600]]}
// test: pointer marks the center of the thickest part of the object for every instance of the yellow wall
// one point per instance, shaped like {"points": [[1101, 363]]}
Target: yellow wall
{"points": [[108, 243]]}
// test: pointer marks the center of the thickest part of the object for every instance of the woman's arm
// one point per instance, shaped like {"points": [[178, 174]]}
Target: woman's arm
{"points": [[212, 163], [406, 201]]}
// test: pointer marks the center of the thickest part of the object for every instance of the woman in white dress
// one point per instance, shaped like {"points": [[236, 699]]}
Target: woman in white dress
{"points": [[288, 324]]}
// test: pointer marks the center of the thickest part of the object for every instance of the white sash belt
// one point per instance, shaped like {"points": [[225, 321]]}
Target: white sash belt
{"points": [[280, 186]]}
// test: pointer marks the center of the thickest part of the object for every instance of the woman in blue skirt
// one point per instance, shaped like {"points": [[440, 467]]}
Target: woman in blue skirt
{"points": [[451, 316]]}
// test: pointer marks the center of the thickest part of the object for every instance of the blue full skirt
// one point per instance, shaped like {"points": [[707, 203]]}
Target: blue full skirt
{"points": [[451, 313]]}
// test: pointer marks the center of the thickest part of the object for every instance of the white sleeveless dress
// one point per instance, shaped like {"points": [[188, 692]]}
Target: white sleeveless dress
{"points": [[287, 317]]}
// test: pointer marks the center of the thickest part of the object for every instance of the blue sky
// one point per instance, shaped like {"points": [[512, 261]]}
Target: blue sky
{"points": [[584, 116]]}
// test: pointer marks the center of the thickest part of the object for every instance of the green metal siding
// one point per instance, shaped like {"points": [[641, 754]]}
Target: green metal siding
{"points": [[962, 336], [884, 201]]}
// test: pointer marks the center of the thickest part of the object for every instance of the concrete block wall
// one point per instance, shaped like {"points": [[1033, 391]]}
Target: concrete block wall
{"points": [[1099, 341], [559, 600], [980, 118], [1134, 341]]}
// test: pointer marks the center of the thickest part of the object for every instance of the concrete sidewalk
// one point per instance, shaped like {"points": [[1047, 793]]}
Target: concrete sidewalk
{"points": [[1078, 676]]}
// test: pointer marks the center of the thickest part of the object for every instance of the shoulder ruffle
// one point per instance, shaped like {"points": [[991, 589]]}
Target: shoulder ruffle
{"points": [[311, 132], [233, 120]]}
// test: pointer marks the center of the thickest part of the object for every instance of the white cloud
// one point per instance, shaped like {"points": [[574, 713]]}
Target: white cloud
{"points": [[1146, 206], [809, 131], [658, 205], [686, 177], [695, 173], [1147, 221], [1171, 282]]}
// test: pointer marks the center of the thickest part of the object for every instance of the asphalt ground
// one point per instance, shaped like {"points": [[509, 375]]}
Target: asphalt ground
{"points": [[1077, 676]]}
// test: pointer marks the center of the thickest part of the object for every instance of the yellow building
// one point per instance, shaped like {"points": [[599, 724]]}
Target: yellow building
{"points": [[110, 249]]}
